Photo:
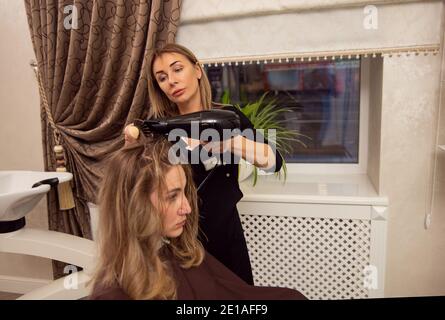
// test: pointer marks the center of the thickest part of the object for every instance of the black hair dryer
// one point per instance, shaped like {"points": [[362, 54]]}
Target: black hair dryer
{"points": [[193, 123]]}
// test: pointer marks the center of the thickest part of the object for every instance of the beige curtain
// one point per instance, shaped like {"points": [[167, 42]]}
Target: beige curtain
{"points": [[91, 59]]}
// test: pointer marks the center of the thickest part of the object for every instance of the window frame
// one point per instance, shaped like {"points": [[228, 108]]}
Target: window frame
{"points": [[346, 168]]}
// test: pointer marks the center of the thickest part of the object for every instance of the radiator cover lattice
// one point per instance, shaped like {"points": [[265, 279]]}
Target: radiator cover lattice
{"points": [[323, 258]]}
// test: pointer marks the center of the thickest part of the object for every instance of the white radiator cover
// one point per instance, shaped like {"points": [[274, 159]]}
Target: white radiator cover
{"points": [[325, 251]]}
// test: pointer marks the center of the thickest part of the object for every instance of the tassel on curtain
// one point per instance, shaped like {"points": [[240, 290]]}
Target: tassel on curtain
{"points": [[64, 190]]}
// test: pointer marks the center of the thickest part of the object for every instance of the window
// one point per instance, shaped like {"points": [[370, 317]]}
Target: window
{"points": [[323, 99]]}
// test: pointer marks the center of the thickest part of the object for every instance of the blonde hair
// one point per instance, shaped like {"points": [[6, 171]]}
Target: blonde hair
{"points": [[132, 255], [160, 105]]}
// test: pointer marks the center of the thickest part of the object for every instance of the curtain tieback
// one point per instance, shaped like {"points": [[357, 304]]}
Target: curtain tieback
{"points": [[64, 190]]}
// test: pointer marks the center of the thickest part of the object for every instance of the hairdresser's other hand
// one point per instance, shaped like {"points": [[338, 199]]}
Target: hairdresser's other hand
{"points": [[217, 147], [193, 143], [131, 133]]}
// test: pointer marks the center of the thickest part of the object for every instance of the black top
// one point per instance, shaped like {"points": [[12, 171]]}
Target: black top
{"points": [[221, 232], [221, 191]]}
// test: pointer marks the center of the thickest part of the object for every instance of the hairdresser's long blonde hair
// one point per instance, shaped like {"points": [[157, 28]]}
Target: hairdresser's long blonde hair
{"points": [[132, 255], [160, 105]]}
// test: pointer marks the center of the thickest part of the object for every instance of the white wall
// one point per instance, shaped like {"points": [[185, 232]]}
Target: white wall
{"points": [[410, 97], [20, 133], [438, 217]]}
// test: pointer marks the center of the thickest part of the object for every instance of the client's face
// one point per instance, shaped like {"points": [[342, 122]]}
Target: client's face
{"points": [[175, 202]]}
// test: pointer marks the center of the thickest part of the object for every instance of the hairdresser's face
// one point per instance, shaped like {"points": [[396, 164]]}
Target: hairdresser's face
{"points": [[175, 202], [177, 77]]}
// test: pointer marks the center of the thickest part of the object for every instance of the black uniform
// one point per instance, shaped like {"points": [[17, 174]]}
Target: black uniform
{"points": [[221, 232]]}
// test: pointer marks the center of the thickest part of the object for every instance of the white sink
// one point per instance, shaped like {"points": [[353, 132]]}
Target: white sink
{"points": [[17, 197]]}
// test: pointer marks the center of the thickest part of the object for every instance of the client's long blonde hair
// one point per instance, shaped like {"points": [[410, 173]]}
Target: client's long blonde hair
{"points": [[131, 251]]}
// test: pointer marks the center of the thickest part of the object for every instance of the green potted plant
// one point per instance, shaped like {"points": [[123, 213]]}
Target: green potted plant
{"points": [[265, 116]]}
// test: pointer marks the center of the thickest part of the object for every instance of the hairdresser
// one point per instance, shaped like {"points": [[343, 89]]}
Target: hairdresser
{"points": [[177, 85]]}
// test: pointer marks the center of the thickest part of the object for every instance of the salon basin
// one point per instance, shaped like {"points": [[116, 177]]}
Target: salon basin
{"points": [[18, 197]]}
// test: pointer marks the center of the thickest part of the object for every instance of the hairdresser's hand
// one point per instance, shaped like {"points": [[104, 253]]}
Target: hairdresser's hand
{"points": [[217, 147], [131, 133], [193, 143]]}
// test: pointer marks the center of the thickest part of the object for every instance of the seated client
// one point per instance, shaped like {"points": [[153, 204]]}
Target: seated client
{"points": [[147, 233]]}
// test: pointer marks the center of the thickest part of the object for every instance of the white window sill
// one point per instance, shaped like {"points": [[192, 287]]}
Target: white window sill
{"points": [[354, 189]]}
